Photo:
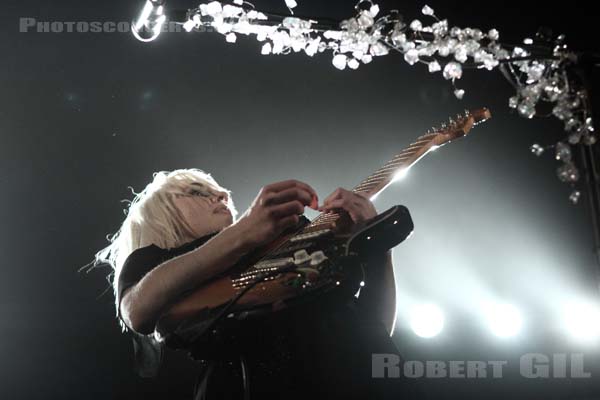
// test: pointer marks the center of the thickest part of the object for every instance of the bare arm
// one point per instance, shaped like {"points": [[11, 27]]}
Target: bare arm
{"points": [[144, 302], [276, 208]]}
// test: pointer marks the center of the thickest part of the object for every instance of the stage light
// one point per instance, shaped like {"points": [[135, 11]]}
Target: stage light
{"points": [[150, 22], [504, 319], [427, 320], [582, 320], [401, 174]]}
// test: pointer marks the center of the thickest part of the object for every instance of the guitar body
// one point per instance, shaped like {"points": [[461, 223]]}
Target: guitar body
{"points": [[295, 269]]}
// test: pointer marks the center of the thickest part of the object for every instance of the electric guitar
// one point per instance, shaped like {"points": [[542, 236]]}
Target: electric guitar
{"points": [[322, 257]]}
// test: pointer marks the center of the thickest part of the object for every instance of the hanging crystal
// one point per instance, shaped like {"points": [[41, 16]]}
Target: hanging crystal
{"points": [[459, 93], [353, 63], [434, 66], [358, 39], [411, 56], [339, 61], [427, 10], [416, 25], [568, 173], [527, 110], [574, 197], [493, 34], [537, 149], [452, 70], [563, 152]]}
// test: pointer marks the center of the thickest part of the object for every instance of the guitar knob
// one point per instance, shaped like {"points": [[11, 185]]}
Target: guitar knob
{"points": [[317, 258], [300, 257]]}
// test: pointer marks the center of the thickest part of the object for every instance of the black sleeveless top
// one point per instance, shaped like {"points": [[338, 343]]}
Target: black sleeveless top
{"points": [[297, 350]]}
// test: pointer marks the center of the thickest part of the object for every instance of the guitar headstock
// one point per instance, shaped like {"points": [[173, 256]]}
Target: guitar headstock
{"points": [[459, 126]]}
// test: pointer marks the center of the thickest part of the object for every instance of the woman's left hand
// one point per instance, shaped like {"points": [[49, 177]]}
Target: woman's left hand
{"points": [[358, 206]]}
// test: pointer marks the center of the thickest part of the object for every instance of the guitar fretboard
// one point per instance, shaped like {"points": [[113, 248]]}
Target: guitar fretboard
{"points": [[381, 178]]}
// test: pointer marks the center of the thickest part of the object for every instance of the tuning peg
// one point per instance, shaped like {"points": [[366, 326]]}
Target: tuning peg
{"points": [[443, 125], [450, 121], [467, 113]]}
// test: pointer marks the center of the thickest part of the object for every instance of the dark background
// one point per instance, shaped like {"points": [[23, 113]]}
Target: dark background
{"points": [[83, 116]]}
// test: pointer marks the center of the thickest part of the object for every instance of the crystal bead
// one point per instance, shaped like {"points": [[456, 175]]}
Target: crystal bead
{"points": [[189, 25], [536, 149], [571, 124], [589, 140], [416, 25], [563, 152], [291, 4], [411, 56], [428, 50], [378, 49], [527, 41], [312, 47], [493, 34], [406, 46], [561, 112], [213, 8], [568, 173], [440, 28], [398, 37], [365, 20], [574, 138], [489, 62], [552, 92], [452, 70], [455, 31], [574, 196], [477, 34], [519, 52], [459, 93], [427, 10], [434, 66], [230, 37], [526, 110], [353, 63], [339, 61], [513, 102], [460, 54], [536, 71], [374, 10], [351, 25], [266, 49]]}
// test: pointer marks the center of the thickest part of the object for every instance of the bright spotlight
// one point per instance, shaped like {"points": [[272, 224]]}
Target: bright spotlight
{"points": [[401, 174], [504, 320], [582, 320], [427, 320], [149, 24]]}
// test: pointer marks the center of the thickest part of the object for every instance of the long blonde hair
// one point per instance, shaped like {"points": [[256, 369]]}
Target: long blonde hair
{"points": [[152, 218]]}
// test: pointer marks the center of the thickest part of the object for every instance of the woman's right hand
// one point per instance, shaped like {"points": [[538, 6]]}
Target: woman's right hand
{"points": [[277, 206]]}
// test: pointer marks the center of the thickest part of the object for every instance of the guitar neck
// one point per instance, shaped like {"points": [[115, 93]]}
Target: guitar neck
{"points": [[394, 169], [398, 166]]}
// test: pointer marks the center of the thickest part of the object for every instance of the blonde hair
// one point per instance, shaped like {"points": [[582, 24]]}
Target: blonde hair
{"points": [[153, 218]]}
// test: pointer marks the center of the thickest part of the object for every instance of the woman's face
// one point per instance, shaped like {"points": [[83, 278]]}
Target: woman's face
{"points": [[205, 209]]}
